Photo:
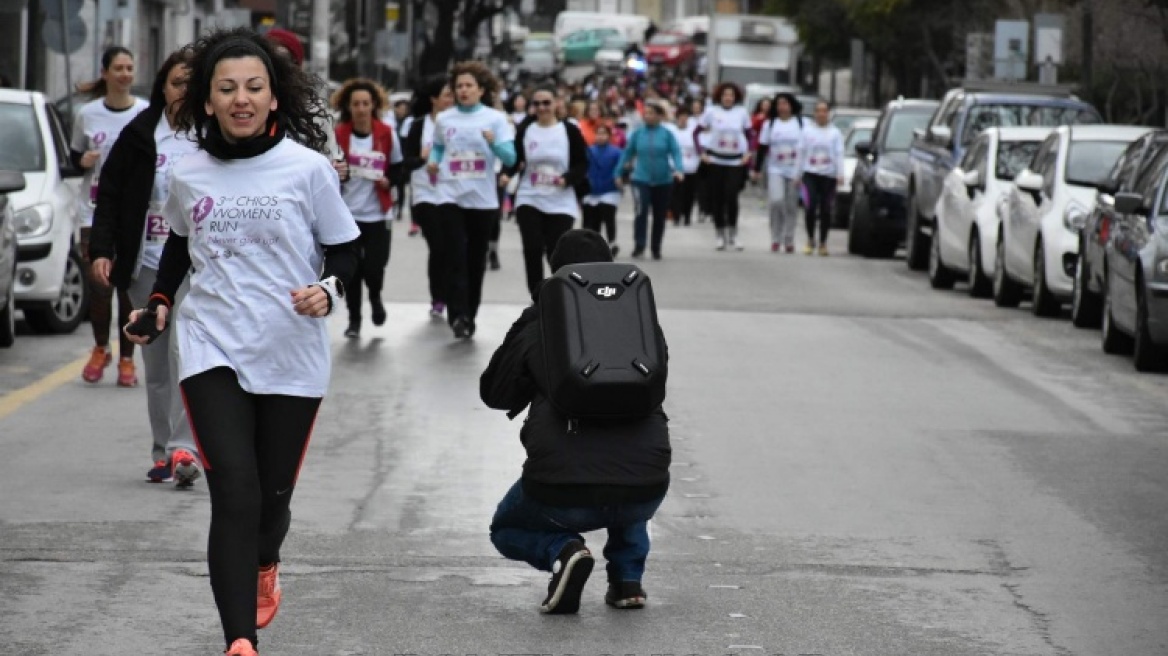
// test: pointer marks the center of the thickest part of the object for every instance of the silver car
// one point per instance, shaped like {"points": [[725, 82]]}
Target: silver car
{"points": [[10, 182]]}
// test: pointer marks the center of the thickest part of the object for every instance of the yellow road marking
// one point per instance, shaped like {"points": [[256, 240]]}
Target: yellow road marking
{"points": [[13, 401]]}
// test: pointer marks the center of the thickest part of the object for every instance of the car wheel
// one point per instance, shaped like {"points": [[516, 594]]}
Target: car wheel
{"points": [[980, 285], [1114, 341], [70, 308], [1085, 304], [1042, 301], [8, 317], [1148, 355], [859, 232], [916, 244], [940, 276], [1007, 293]]}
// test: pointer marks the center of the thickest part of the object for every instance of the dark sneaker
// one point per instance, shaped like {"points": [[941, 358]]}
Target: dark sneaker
{"points": [[638, 252], [625, 595], [615, 248], [353, 331], [378, 311], [493, 258], [461, 328], [160, 472], [569, 574], [186, 468], [437, 309]]}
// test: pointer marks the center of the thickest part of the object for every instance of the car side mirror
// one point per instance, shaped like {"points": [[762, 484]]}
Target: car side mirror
{"points": [[972, 179], [941, 134], [1028, 180], [11, 181], [864, 148], [1127, 202]]}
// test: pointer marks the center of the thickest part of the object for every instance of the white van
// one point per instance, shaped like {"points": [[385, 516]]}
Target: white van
{"points": [[632, 27]]}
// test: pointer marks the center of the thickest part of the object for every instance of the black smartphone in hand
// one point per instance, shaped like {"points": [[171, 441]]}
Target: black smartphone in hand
{"points": [[146, 326]]}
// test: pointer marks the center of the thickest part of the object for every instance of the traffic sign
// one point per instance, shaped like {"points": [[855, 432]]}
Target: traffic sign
{"points": [[53, 8], [53, 33]]}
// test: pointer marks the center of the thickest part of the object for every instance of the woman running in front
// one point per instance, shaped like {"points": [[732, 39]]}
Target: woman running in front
{"points": [[96, 128], [129, 233], [257, 217], [468, 138], [374, 156], [552, 159], [823, 170], [426, 193], [655, 156], [603, 196], [728, 155], [781, 150]]}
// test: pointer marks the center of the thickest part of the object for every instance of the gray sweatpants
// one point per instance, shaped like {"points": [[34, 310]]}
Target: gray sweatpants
{"points": [[783, 203], [168, 417]]}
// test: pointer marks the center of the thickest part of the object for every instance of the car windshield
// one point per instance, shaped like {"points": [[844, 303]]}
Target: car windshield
{"points": [[1013, 156], [899, 133], [1089, 162], [537, 45], [858, 135], [538, 57], [21, 148], [665, 40], [1016, 115]]}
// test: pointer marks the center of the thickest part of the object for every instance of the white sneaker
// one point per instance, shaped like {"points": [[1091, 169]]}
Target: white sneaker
{"points": [[720, 242]]}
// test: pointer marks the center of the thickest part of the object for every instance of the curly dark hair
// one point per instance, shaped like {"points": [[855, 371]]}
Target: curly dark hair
{"points": [[482, 75], [343, 96], [792, 101], [300, 109], [180, 57], [431, 88], [721, 89]]}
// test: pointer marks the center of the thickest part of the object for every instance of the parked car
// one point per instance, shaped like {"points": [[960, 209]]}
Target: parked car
{"points": [[843, 117], [536, 66], [610, 59], [1039, 241], [876, 224], [581, 47], [1135, 281], [1135, 170], [968, 212], [10, 182], [50, 278], [859, 132], [940, 145], [671, 50]]}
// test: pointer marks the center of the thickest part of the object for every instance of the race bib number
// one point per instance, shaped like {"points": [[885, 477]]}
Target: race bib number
{"points": [[468, 165], [726, 141], [820, 156], [545, 176], [785, 155], [367, 165], [157, 227], [93, 193], [689, 152]]}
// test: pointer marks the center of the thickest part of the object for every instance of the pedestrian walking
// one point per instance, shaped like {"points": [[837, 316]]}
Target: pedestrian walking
{"points": [[655, 156], [603, 198], [257, 217], [823, 170], [552, 165], [373, 155], [129, 232], [468, 139], [426, 192], [96, 128], [779, 156], [603, 474], [728, 155], [685, 192]]}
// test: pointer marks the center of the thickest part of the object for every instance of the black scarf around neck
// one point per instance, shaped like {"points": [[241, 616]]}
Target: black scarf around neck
{"points": [[218, 147]]}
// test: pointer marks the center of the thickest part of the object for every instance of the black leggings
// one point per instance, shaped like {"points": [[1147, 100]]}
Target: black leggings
{"points": [[101, 305], [426, 215], [821, 198], [539, 233], [724, 183], [373, 256], [465, 233], [684, 194], [601, 214], [252, 446]]}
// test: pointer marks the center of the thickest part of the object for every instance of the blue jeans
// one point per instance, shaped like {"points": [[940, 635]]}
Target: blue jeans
{"points": [[653, 199], [525, 529]]}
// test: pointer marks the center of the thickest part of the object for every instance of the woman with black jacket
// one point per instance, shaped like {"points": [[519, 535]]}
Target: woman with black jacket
{"points": [[129, 232], [552, 157]]}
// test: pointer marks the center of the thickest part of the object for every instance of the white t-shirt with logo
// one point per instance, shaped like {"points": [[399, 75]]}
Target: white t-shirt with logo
{"points": [[365, 166], [172, 148], [690, 157], [97, 127], [423, 187], [823, 150], [547, 152], [255, 228], [468, 163], [727, 128], [784, 142]]}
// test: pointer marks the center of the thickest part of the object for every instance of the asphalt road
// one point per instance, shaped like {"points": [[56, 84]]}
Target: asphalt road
{"points": [[861, 466]]}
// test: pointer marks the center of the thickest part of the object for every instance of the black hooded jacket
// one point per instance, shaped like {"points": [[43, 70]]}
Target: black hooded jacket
{"points": [[603, 462]]}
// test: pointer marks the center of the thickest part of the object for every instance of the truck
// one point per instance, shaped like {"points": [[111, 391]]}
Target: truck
{"points": [[747, 49]]}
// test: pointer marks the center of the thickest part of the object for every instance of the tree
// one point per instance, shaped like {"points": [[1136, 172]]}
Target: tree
{"points": [[451, 19]]}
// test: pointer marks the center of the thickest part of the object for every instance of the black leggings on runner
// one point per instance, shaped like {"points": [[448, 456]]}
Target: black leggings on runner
{"points": [[539, 233], [724, 183], [682, 202], [465, 233], [601, 214], [101, 306], [252, 446], [821, 199], [373, 252], [426, 215]]}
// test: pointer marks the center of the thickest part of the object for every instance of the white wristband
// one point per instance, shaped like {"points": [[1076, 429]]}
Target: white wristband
{"points": [[332, 287]]}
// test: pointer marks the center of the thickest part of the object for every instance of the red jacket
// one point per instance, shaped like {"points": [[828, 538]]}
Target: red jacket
{"points": [[382, 143]]}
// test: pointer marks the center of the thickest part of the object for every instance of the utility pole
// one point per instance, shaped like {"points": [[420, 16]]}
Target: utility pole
{"points": [[319, 64]]}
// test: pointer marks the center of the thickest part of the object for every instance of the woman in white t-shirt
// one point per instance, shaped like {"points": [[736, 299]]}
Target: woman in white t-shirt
{"points": [[685, 192], [780, 153], [257, 217], [728, 154], [468, 140], [95, 129], [823, 171], [551, 162]]}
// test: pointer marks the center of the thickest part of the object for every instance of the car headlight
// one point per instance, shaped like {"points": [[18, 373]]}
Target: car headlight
{"points": [[1074, 217], [1162, 268], [890, 180], [34, 221], [674, 52]]}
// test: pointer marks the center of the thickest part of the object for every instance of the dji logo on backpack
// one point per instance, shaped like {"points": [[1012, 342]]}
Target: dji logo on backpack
{"points": [[607, 292]]}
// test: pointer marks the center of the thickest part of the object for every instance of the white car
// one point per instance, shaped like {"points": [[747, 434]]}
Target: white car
{"points": [[610, 59], [967, 212], [859, 132], [50, 277], [1051, 199]]}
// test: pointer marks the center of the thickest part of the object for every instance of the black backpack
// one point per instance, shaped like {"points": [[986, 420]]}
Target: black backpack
{"points": [[604, 355]]}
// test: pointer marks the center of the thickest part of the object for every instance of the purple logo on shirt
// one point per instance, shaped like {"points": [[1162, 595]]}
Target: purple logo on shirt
{"points": [[532, 145], [160, 161], [450, 132], [99, 138], [201, 211]]}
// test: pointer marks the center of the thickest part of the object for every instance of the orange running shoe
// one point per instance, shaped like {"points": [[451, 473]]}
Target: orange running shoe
{"points": [[268, 599], [99, 359], [126, 375], [241, 647]]}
